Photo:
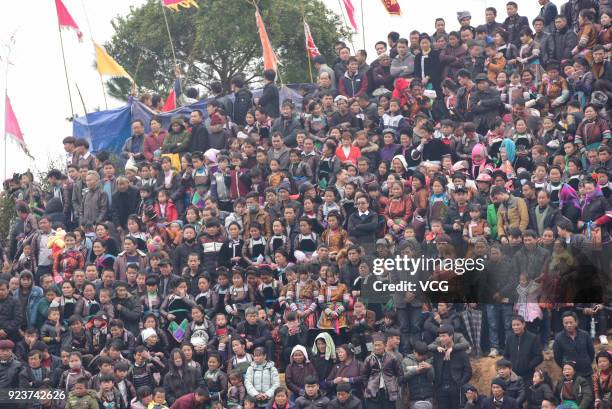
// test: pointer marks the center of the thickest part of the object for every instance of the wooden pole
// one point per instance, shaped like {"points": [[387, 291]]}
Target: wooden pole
{"points": [[59, 29], [362, 27], [346, 23]]}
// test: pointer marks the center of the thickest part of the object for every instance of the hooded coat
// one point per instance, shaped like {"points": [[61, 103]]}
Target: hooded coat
{"points": [[177, 142], [295, 374]]}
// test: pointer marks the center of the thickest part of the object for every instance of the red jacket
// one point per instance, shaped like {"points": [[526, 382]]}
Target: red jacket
{"points": [[171, 212], [353, 155], [186, 402]]}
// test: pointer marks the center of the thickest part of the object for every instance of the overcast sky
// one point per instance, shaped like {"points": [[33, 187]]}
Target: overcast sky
{"points": [[37, 84]]}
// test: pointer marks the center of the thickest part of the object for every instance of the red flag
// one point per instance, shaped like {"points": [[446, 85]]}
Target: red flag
{"points": [[65, 20], [350, 12], [171, 102], [392, 7], [313, 51], [11, 126], [270, 61]]}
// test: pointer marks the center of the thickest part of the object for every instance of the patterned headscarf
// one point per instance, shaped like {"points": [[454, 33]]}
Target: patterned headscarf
{"points": [[568, 195]]}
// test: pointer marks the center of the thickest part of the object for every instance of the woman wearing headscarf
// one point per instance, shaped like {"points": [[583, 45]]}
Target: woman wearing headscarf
{"points": [[595, 213], [298, 369], [479, 159], [346, 370], [323, 354], [569, 204]]}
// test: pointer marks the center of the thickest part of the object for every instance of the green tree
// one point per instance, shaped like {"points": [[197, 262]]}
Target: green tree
{"points": [[217, 41]]}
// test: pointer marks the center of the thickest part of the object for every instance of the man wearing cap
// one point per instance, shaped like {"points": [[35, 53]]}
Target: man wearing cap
{"points": [[484, 103], [465, 18], [312, 397], [473, 400], [498, 398], [9, 365], [419, 374], [344, 398], [515, 386], [452, 370]]}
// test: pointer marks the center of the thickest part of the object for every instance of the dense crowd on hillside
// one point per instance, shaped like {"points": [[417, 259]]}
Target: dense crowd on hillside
{"points": [[211, 256]]}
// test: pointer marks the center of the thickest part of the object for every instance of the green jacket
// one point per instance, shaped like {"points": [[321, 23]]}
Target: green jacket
{"points": [[89, 401], [492, 220], [177, 142]]}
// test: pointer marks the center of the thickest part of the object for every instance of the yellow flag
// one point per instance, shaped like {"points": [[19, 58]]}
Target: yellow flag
{"points": [[108, 66]]}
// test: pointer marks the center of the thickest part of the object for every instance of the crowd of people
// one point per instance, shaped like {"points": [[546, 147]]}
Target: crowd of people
{"points": [[227, 261]]}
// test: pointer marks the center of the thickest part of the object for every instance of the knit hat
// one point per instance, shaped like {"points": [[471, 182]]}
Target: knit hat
{"points": [[422, 404], [147, 333], [463, 14], [403, 161], [343, 387], [7, 344], [499, 382]]}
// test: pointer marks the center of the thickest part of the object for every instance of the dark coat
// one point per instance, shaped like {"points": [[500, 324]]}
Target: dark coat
{"points": [[461, 370], [11, 317], [509, 403], [177, 386], [243, 102], [199, 138], [363, 229], [580, 350], [537, 393], [514, 25], [124, 204], [524, 352], [485, 107], [269, 100], [130, 312], [550, 221], [351, 403], [429, 66], [564, 42], [9, 373], [319, 402], [296, 374], [390, 369]]}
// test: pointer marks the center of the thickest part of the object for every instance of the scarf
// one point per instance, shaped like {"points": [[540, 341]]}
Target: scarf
{"points": [[481, 150], [330, 347], [592, 196], [568, 194], [510, 148]]}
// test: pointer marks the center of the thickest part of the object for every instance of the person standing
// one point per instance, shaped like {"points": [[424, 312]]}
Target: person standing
{"points": [[452, 370], [243, 100], [574, 344], [523, 349], [269, 100], [382, 375]]}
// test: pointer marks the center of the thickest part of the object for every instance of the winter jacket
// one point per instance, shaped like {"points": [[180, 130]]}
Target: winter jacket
{"points": [[258, 334], [177, 142], [547, 46], [11, 317], [153, 143], [186, 402], [94, 207], [580, 350], [130, 312], [363, 228], [484, 115], [243, 102], [402, 66], [513, 25], [537, 393], [352, 403], [461, 370], [269, 100], [318, 402], [261, 379], [524, 352], [352, 86], [353, 370], [123, 205], [582, 389], [452, 60], [429, 66], [296, 374], [508, 403], [89, 401], [177, 386], [512, 213], [515, 388], [550, 220], [199, 138], [29, 312], [9, 373], [564, 41], [288, 128], [420, 384], [121, 263], [390, 368]]}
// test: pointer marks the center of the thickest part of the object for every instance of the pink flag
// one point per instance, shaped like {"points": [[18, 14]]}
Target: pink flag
{"points": [[11, 126], [313, 51], [65, 20], [350, 12]]}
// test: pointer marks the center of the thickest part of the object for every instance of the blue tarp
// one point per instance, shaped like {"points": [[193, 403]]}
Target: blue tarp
{"points": [[108, 130]]}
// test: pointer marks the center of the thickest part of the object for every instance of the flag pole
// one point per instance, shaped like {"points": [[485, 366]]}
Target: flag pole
{"points": [[169, 35], [6, 74], [346, 23], [362, 27], [92, 40], [59, 30], [308, 56]]}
